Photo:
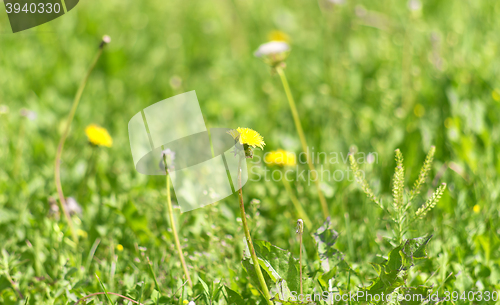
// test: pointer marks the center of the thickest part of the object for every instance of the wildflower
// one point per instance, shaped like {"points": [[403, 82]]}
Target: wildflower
{"points": [[170, 157], [4, 109], [81, 233], [98, 135], [249, 138], [31, 115], [273, 53], [495, 94], [278, 36], [280, 157], [414, 5], [185, 302], [419, 110], [476, 208], [73, 206], [119, 247], [300, 227], [105, 40]]}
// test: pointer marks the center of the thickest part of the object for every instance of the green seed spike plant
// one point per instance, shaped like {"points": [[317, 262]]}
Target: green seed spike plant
{"points": [[402, 201]]}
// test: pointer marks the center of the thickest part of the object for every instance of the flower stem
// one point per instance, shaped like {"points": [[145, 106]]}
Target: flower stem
{"points": [[57, 171], [255, 260], [302, 138], [300, 231], [296, 203], [174, 230]]}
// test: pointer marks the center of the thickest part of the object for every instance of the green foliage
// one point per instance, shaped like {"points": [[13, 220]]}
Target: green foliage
{"points": [[393, 274], [402, 202], [367, 76]]}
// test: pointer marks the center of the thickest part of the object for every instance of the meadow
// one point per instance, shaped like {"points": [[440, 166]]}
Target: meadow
{"points": [[409, 89]]}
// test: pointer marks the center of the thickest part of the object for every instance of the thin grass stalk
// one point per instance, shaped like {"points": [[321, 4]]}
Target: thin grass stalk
{"points": [[302, 138], [300, 232], [19, 148], [300, 210], [57, 170], [101, 293], [255, 260], [174, 230]]}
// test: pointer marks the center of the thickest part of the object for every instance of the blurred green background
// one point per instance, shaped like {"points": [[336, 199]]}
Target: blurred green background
{"points": [[367, 76]]}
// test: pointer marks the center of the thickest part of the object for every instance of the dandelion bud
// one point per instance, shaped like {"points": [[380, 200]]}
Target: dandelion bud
{"points": [[300, 227]]}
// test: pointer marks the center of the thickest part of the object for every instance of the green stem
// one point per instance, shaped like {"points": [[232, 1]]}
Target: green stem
{"points": [[19, 148], [296, 203], [57, 171], [300, 262], [255, 260], [174, 230], [302, 138], [88, 172]]}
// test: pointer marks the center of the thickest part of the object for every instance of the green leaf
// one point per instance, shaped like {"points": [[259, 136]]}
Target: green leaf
{"points": [[233, 297], [105, 291], [393, 273], [280, 264], [414, 249], [395, 261], [326, 237], [415, 292], [276, 298]]}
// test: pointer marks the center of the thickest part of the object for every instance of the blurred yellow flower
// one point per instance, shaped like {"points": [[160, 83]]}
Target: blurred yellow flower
{"points": [[448, 122], [185, 302], [278, 36], [495, 94], [280, 157], [248, 136], [81, 233], [419, 110], [476, 208], [119, 247], [98, 135]]}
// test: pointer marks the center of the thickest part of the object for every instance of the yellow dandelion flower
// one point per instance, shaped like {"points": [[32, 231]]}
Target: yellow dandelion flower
{"points": [[476, 208], [419, 110], [280, 157], [495, 94], [98, 135], [81, 233], [278, 36], [248, 136], [185, 302], [119, 247]]}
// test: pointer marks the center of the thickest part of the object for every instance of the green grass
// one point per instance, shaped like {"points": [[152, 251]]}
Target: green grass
{"points": [[366, 76]]}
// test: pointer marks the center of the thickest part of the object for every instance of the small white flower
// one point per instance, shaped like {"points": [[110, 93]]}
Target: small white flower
{"points": [[4, 109], [414, 5], [73, 206], [170, 156], [272, 48], [31, 115], [192, 303], [106, 39]]}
